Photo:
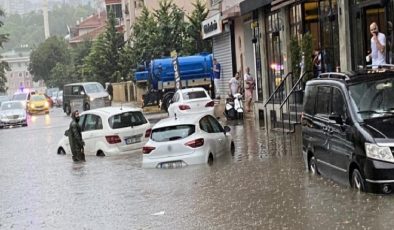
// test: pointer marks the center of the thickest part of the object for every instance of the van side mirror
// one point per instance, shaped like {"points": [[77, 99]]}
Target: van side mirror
{"points": [[337, 118], [227, 129]]}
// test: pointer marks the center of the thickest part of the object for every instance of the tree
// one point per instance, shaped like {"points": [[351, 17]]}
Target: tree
{"points": [[103, 63], [195, 43], [3, 65], [48, 54]]}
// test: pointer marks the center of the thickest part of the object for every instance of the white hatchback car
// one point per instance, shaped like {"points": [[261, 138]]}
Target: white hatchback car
{"points": [[191, 101], [177, 142], [111, 130]]}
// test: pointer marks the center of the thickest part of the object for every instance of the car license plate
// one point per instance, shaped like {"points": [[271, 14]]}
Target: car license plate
{"points": [[132, 140], [171, 165]]}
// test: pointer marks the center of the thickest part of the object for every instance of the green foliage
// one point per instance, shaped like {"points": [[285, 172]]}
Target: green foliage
{"points": [[194, 42], [307, 49], [47, 55], [3, 65], [296, 57], [29, 28], [103, 63]]}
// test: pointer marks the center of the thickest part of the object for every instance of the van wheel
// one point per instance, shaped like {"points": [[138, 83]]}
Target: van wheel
{"points": [[68, 110], [313, 166], [357, 181], [210, 159]]}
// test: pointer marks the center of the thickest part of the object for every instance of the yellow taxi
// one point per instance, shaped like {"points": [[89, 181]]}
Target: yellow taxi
{"points": [[38, 103]]}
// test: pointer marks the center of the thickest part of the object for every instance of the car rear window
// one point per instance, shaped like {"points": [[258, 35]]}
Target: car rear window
{"points": [[172, 133], [38, 98], [194, 95], [18, 97], [127, 119]]}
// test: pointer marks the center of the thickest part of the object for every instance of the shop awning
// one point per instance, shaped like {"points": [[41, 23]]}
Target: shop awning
{"points": [[231, 12], [277, 4], [250, 5]]}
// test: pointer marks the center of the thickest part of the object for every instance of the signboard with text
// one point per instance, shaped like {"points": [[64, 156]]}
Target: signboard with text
{"points": [[177, 75]]}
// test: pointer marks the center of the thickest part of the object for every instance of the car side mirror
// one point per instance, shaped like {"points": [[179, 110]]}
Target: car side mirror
{"points": [[227, 129], [337, 118]]}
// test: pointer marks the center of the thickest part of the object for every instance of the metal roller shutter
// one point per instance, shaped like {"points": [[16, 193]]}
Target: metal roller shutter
{"points": [[222, 53]]}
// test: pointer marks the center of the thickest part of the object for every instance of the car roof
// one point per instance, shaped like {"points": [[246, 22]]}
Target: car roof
{"points": [[194, 89], [110, 111], [181, 120], [82, 83], [354, 77]]}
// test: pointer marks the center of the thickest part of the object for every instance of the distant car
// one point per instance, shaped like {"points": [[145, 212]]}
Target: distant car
{"points": [[187, 140], [3, 99], [38, 103], [12, 113], [111, 131], [59, 99], [22, 96], [191, 101]]}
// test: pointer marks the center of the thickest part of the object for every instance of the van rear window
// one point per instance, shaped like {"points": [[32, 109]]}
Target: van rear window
{"points": [[194, 95], [127, 119], [172, 133]]}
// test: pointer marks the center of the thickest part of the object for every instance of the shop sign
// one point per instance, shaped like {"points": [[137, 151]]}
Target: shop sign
{"points": [[212, 26]]}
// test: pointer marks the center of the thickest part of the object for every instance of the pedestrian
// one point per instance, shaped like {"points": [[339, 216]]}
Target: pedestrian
{"points": [[234, 84], [110, 91], [249, 88], [75, 138], [317, 63], [378, 46], [216, 77]]}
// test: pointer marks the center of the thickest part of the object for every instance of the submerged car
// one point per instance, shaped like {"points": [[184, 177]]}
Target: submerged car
{"points": [[187, 140], [348, 128], [38, 103], [12, 113], [191, 101], [111, 131]]}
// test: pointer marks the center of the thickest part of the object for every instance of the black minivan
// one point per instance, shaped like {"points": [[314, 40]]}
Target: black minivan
{"points": [[348, 128]]}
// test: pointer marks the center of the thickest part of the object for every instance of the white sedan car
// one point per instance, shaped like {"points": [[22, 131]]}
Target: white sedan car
{"points": [[111, 130], [191, 101], [182, 141]]}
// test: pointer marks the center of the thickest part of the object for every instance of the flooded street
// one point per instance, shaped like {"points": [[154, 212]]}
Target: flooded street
{"points": [[263, 186]]}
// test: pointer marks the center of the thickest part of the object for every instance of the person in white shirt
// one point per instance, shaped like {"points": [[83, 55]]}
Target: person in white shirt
{"points": [[249, 88], [234, 84], [378, 46]]}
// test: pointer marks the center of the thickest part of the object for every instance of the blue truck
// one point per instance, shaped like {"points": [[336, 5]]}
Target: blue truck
{"points": [[195, 71]]}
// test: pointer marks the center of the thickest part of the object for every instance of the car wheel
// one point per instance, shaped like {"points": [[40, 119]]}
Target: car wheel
{"points": [[61, 151], [100, 153], [357, 181], [313, 166], [68, 110], [232, 148], [210, 159]]}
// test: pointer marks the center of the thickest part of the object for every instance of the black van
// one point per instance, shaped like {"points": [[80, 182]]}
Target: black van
{"points": [[348, 128], [84, 96]]}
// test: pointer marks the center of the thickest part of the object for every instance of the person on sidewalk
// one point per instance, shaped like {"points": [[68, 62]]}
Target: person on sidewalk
{"points": [[234, 84], [249, 88], [378, 46], [216, 77], [75, 138]]}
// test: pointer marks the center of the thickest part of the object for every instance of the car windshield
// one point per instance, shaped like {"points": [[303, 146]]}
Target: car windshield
{"points": [[11, 105], [172, 133], [37, 98], [127, 119], [19, 97], [94, 88], [194, 95], [373, 99]]}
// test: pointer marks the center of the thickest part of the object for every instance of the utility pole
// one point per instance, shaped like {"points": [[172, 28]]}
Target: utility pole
{"points": [[46, 23]]}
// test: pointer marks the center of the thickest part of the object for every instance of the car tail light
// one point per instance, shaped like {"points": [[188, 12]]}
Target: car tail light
{"points": [[210, 104], [147, 149], [113, 139], [184, 107], [148, 132], [195, 143]]}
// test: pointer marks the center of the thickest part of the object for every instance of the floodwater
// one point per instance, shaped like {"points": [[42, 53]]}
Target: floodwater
{"points": [[263, 186]]}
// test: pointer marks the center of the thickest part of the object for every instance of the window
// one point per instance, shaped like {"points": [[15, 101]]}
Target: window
{"points": [[116, 9], [76, 90], [206, 125], [323, 100], [194, 95], [127, 119], [176, 97], [216, 126], [93, 122], [338, 105], [310, 96], [172, 133]]}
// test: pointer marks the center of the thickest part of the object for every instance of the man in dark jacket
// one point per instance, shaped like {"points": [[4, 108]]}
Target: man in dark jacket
{"points": [[75, 138]]}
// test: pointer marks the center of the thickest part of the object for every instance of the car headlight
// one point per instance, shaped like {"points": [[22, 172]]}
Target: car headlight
{"points": [[32, 106], [91, 98], [46, 104], [379, 152]]}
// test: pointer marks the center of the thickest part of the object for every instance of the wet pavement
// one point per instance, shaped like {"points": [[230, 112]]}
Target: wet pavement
{"points": [[263, 186]]}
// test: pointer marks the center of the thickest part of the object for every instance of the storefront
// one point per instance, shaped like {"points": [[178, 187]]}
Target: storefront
{"points": [[363, 13]]}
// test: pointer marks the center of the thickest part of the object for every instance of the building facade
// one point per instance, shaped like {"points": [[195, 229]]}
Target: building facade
{"points": [[261, 33]]}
